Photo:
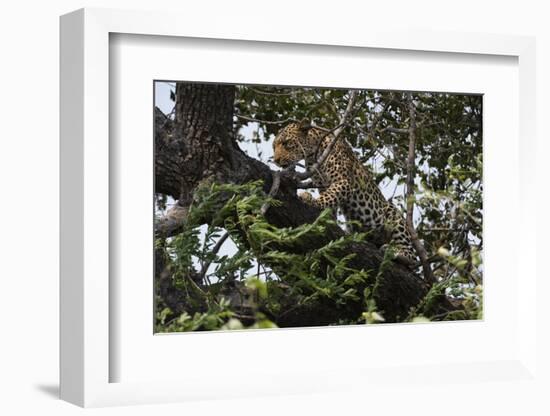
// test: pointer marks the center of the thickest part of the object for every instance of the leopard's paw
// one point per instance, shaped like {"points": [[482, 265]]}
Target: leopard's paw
{"points": [[306, 198], [401, 255]]}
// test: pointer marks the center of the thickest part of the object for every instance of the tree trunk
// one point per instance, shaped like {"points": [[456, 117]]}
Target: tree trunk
{"points": [[199, 145]]}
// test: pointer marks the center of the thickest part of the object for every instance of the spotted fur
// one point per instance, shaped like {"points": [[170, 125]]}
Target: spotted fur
{"points": [[346, 183]]}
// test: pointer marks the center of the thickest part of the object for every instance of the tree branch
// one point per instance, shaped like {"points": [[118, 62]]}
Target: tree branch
{"points": [[273, 191], [336, 133], [411, 172], [394, 130], [215, 250], [256, 120]]}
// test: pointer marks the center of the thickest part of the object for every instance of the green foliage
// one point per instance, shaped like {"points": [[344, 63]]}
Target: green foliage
{"points": [[291, 275], [460, 288], [214, 318]]}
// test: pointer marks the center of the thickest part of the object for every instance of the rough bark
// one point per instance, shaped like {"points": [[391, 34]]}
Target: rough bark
{"points": [[199, 145]]}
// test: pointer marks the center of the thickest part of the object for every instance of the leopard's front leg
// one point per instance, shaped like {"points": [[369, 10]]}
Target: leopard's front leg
{"points": [[401, 238], [316, 181], [330, 197]]}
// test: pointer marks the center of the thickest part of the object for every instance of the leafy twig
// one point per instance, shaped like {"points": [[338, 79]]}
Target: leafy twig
{"points": [[215, 250]]}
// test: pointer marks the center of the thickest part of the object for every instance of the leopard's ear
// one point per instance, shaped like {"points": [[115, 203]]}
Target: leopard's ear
{"points": [[304, 124]]}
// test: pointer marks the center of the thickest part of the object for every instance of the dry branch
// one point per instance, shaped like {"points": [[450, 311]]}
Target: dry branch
{"points": [[336, 133], [411, 172]]}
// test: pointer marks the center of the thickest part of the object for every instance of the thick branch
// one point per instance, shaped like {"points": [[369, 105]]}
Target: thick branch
{"points": [[167, 160]]}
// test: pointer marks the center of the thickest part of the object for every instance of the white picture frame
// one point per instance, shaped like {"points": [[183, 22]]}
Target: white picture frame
{"points": [[85, 354]]}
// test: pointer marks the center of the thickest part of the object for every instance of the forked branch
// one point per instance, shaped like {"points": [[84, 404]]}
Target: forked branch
{"points": [[336, 133]]}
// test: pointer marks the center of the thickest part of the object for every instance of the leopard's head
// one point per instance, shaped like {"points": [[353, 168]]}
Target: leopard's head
{"points": [[292, 144]]}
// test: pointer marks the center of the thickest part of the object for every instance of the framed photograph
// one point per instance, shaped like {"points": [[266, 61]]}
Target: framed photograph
{"points": [[242, 245], [319, 214]]}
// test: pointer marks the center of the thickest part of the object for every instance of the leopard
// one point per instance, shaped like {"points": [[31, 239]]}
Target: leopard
{"points": [[344, 183]]}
